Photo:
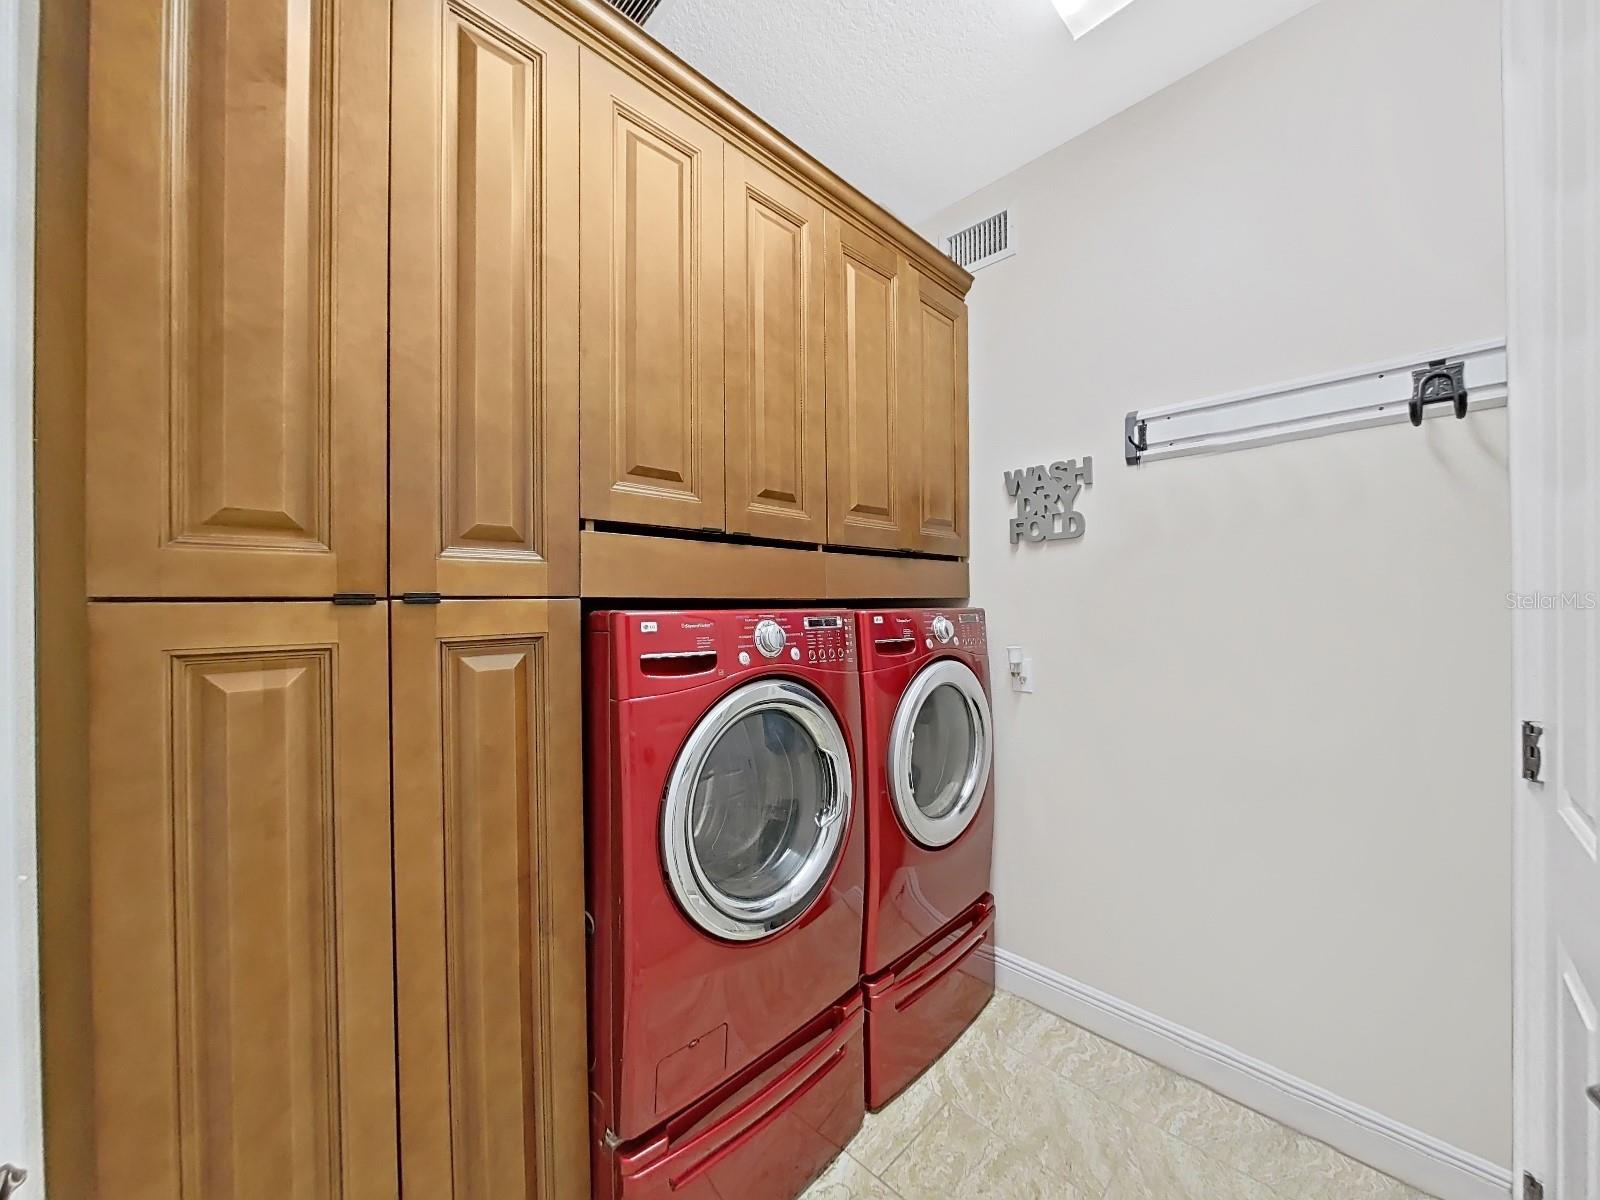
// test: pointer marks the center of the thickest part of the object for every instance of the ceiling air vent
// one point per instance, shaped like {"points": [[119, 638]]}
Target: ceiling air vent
{"points": [[984, 244], [637, 11]]}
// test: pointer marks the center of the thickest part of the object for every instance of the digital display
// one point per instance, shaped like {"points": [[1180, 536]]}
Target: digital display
{"points": [[969, 618], [824, 622]]}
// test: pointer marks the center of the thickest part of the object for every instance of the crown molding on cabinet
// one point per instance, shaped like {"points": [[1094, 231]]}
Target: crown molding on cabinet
{"points": [[605, 31]]}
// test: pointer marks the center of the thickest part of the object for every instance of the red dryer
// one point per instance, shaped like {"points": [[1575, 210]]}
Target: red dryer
{"points": [[930, 836], [726, 880]]}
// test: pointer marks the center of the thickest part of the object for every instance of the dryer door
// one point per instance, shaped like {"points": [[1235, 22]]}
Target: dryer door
{"points": [[756, 810], [940, 750]]}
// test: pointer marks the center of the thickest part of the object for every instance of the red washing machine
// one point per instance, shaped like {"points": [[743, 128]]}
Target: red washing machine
{"points": [[726, 879], [928, 758]]}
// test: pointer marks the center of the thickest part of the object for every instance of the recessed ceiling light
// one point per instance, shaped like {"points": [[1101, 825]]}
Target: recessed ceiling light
{"points": [[1083, 15]]}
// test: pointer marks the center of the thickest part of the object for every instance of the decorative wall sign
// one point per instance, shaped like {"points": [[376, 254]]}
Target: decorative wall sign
{"points": [[1046, 500]]}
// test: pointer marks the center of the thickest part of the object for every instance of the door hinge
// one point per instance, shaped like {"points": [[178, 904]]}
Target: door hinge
{"points": [[1532, 1189], [1532, 756]]}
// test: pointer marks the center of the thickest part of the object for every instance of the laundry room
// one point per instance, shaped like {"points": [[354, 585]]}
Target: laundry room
{"points": [[694, 600]]}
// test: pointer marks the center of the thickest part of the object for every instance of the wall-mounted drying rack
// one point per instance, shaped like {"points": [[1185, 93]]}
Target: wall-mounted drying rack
{"points": [[1441, 385]]}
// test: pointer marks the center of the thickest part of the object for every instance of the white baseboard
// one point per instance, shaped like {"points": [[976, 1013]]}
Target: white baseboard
{"points": [[1425, 1162]]}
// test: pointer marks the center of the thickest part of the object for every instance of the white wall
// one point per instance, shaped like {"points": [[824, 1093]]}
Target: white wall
{"points": [[1260, 791], [20, 1132]]}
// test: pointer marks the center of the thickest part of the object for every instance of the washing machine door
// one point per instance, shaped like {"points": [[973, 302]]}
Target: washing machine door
{"points": [[941, 746], [756, 810]]}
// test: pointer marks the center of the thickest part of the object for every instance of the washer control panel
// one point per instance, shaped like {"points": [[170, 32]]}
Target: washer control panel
{"points": [[808, 639], [830, 638]]}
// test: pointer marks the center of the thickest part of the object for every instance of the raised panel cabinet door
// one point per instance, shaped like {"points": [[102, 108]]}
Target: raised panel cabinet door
{"points": [[241, 940], [652, 306], [484, 261], [868, 500], [938, 417], [489, 898], [237, 297], [777, 433]]}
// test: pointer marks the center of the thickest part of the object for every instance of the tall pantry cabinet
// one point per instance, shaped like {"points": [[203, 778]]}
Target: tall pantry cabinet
{"points": [[363, 324], [334, 813]]}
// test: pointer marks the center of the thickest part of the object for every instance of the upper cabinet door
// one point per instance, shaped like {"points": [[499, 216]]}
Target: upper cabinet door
{"points": [[777, 436], [652, 306], [939, 371], [484, 476], [237, 263], [867, 389], [240, 918]]}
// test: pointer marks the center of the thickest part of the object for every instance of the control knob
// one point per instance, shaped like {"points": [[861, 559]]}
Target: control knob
{"points": [[944, 630], [770, 638]]}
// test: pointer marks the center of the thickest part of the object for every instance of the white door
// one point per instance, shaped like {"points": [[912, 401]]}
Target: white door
{"points": [[19, 978], [1553, 176]]}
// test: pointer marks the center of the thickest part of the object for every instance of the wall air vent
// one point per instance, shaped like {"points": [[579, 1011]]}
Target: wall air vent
{"points": [[984, 244], [637, 11]]}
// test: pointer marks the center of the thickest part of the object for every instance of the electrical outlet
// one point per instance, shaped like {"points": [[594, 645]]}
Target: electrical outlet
{"points": [[1022, 676]]}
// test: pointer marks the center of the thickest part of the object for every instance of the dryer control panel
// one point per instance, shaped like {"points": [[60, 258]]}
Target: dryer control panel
{"points": [[923, 632]]}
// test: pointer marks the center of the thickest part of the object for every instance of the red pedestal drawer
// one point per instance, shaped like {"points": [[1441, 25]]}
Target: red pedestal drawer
{"points": [[918, 1008], [765, 1136]]}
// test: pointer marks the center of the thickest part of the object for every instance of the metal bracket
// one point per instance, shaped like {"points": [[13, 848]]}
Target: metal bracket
{"points": [[1532, 1189], [1532, 756], [1133, 439], [11, 1178], [1440, 382]]}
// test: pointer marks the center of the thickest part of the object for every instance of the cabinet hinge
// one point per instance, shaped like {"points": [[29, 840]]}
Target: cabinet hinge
{"points": [[351, 598], [421, 598], [1532, 1189], [1532, 755]]}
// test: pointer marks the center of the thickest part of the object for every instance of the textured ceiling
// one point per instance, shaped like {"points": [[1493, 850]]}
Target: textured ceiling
{"points": [[922, 102]]}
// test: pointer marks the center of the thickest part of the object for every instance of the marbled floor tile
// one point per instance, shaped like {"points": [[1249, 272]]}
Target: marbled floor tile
{"points": [[1085, 1136], [1160, 1167], [884, 1135], [943, 1157], [847, 1179], [1105, 1068], [1310, 1170], [1037, 1167], [1213, 1124]]}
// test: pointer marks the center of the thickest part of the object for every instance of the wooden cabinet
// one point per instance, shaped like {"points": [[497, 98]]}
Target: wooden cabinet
{"points": [[651, 266], [489, 898], [777, 435], [239, 877], [484, 258], [936, 362], [868, 459], [236, 309]]}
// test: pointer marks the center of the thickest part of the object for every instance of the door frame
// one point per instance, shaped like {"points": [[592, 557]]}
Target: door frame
{"points": [[1534, 1146], [21, 1101], [1529, 1121]]}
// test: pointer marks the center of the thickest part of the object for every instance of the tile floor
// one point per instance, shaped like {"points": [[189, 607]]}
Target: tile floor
{"points": [[1029, 1107]]}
